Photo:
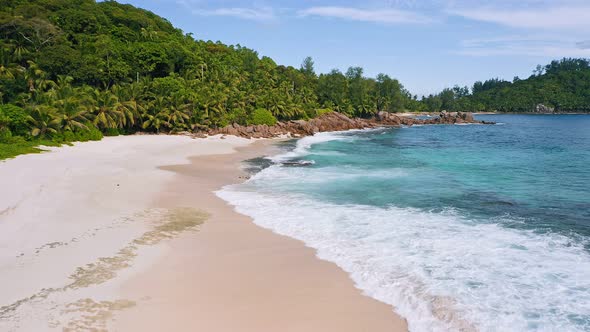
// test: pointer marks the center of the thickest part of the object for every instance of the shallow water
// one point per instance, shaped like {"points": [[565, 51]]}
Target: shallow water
{"points": [[459, 227]]}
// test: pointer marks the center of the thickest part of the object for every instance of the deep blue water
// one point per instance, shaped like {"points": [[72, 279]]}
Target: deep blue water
{"points": [[458, 227], [533, 168]]}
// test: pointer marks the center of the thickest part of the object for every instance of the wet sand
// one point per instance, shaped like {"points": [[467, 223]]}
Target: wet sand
{"points": [[232, 275], [103, 236]]}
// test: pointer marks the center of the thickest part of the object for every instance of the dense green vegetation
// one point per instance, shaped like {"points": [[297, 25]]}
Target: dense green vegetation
{"points": [[562, 85], [74, 66], [79, 69]]}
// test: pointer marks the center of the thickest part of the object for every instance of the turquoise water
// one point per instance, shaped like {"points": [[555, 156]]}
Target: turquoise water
{"points": [[459, 227]]}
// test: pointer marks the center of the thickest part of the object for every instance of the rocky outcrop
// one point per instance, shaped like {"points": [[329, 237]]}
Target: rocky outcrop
{"points": [[334, 121], [540, 108]]}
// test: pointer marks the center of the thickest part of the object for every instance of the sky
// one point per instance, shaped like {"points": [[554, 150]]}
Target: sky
{"points": [[426, 44]]}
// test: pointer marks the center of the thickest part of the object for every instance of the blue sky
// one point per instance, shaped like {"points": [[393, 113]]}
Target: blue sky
{"points": [[428, 45]]}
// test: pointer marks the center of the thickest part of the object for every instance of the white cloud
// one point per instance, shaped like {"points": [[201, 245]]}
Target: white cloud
{"points": [[388, 16], [564, 17], [532, 45], [261, 14], [550, 29]]}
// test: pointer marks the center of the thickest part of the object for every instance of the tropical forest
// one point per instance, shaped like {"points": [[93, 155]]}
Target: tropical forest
{"points": [[75, 70]]}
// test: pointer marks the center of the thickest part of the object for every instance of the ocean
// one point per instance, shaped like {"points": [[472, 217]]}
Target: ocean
{"points": [[459, 227]]}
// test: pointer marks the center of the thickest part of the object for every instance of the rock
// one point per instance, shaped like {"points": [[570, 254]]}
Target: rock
{"points": [[334, 121], [389, 118], [540, 108], [467, 116]]}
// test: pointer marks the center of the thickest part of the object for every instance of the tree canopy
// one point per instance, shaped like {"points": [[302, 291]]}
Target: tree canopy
{"points": [[72, 68], [81, 63], [563, 85]]}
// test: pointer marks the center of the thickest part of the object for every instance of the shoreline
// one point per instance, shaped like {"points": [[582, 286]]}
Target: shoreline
{"points": [[233, 275], [76, 221], [111, 239]]}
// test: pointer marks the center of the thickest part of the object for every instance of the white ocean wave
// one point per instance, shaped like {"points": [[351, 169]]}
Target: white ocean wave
{"points": [[440, 271]]}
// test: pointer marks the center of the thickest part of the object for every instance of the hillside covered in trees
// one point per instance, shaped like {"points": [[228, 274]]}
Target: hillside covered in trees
{"points": [[561, 85], [77, 65], [78, 69]]}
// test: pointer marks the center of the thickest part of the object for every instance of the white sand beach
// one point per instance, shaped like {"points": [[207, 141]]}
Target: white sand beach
{"points": [[125, 234]]}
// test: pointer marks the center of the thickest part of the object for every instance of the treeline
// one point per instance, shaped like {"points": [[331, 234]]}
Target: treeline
{"points": [[78, 69], [562, 85], [69, 67]]}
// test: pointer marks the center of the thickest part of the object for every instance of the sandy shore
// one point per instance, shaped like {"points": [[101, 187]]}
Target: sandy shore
{"points": [[126, 235]]}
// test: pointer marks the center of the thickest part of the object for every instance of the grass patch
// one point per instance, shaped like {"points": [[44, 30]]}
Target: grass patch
{"points": [[17, 147], [12, 146]]}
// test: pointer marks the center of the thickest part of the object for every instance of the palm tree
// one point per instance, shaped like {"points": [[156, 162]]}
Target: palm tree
{"points": [[107, 109], [158, 115], [43, 120], [6, 72], [129, 107], [37, 79], [73, 115], [179, 112]]}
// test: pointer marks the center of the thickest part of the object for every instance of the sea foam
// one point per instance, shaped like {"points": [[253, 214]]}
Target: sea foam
{"points": [[440, 270]]}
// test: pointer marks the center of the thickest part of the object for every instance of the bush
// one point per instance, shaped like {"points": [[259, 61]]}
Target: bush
{"points": [[5, 135], [63, 137], [262, 116], [91, 134], [111, 132], [323, 111], [17, 119], [167, 86], [4, 121], [82, 135], [237, 115]]}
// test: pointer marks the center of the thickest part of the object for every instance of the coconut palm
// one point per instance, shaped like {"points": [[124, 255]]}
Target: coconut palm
{"points": [[43, 120], [73, 114], [178, 112], [157, 115], [107, 109]]}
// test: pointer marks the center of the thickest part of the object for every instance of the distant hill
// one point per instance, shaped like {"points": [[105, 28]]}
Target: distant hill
{"points": [[562, 86]]}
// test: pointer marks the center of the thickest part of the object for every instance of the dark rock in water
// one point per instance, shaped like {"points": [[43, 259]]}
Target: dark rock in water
{"points": [[297, 163], [334, 121], [255, 165], [501, 203], [468, 117]]}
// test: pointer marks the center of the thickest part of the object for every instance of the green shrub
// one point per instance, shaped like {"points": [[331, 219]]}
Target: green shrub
{"points": [[94, 134], [262, 116], [167, 86], [111, 132], [17, 119], [238, 116], [4, 121], [69, 136], [82, 135], [323, 111], [91, 134], [5, 135]]}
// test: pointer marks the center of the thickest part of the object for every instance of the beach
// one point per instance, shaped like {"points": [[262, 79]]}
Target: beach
{"points": [[126, 234]]}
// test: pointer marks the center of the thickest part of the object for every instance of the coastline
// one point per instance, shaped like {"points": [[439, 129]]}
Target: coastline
{"points": [[77, 220], [108, 238], [234, 275]]}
